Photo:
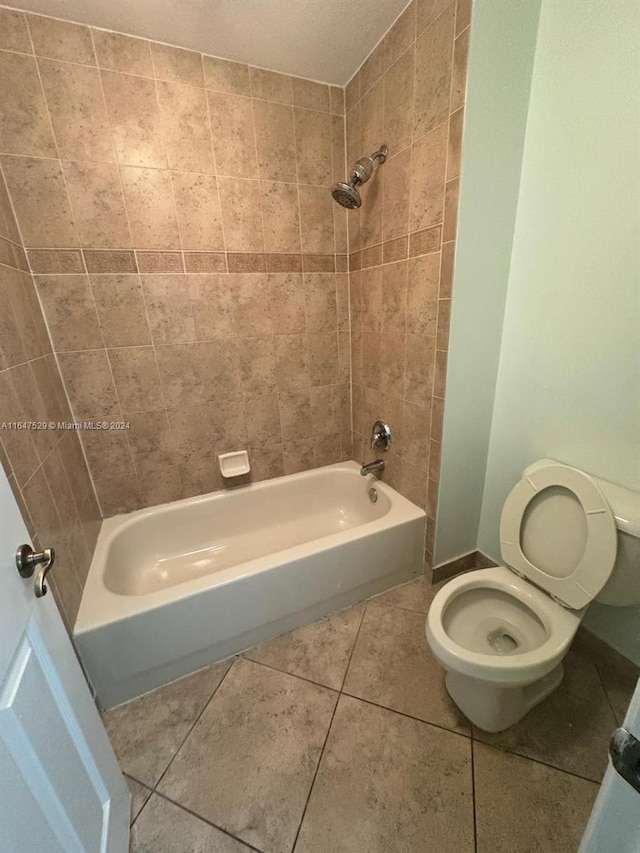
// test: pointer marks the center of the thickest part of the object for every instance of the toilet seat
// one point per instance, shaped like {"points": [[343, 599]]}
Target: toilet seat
{"points": [[577, 585]]}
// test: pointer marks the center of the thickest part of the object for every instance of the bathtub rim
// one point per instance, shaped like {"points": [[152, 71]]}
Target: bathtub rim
{"points": [[100, 606]]}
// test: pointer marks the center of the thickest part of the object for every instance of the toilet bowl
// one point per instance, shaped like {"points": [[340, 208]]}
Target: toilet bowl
{"points": [[501, 633]]}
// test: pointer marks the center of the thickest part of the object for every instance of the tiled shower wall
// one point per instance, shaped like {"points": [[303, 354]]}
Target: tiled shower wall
{"points": [[190, 261], [409, 94], [45, 467]]}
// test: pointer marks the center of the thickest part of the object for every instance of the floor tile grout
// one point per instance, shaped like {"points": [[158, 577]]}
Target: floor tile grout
{"points": [[209, 822], [473, 795], [292, 674], [204, 708]]}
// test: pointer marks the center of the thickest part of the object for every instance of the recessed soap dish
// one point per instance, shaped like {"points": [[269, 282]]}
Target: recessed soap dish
{"points": [[234, 464]]}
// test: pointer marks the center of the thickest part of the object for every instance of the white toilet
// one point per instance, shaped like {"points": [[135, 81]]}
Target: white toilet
{"points": [[501, 633]]}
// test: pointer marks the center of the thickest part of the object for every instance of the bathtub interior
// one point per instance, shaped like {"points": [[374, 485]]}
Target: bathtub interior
{"points": [[193, 539]]}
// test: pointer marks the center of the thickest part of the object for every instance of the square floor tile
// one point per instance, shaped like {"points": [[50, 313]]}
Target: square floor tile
{"points": [[147, 732], [249, 763], [415, 595], [392, 665], [570, 729], [523, 806], [389, 784], [166, 828], [319, 652]]}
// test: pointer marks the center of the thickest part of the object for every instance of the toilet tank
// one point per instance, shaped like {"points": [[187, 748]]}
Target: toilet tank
{"points": [[623, 587]]}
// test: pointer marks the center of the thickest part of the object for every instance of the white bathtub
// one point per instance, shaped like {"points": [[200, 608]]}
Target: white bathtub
{"points": [[179, 586]]}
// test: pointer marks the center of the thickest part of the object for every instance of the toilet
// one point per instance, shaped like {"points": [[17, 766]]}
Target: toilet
{"points": [[500, 634]]}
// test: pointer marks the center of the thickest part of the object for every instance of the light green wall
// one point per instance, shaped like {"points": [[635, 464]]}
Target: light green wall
{"points": [[568, 382], [503, 37]]}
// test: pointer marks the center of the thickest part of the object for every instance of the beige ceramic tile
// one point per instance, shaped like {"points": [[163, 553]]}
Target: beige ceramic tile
{"points": [[319, 652], [271, 86], [398, 103], [117, 52], [323, 358], [313, 147], [168, 307], [220, 75], [557, 804], [571, 728], [77, 110], [252, 316], [24, 128], [619, 675], [87, 378], [433, 73], [320, 301], [428, 10], [98, 204], [262, 735], [135, 374], [422, 294], [107, 453], [310, 95], [212, 306], [147, 732], [71, 315], [190, 427], [396, 183], [386, 783], [400, 37], [14, 34], [316, 217], [275, 141], [150, 440], [121, 311], [180, 378], [136, 123], [241, 217], [118, 494], [372, 119], [61, 40], [41, 201], [450, 210], [287, 303], [150, 207], [291, 362], [298, 455], [263, 420], [220, 370], [295, 414], [459, 73], [410, 680], [428, 163], [257, 365], [233, 136], [164, 827], [325, 409], [177, 65], [186, 127], [198, 211], [419, 366], [337, 100], [454, 153], [279, 203]]}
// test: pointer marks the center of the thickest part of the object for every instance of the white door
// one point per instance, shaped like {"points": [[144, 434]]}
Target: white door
{"points": [[61, 790], [614, 825]]}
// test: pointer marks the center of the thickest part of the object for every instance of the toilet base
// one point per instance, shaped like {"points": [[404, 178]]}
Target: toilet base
{"points": [[493, 708]]}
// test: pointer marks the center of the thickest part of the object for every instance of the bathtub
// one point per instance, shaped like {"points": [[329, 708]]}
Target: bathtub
{"points": [[176, 587]]}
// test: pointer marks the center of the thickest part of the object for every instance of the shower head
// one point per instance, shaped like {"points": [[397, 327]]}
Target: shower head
{"points": [[347, 195]]}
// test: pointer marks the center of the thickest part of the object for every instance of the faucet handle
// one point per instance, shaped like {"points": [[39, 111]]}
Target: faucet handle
{"points": [[381, 436]]}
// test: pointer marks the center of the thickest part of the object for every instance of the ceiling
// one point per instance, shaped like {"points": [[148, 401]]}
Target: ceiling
{"points": [[324, 40]]}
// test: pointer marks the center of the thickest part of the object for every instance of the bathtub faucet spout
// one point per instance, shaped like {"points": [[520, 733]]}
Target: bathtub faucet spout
{"points": [[376, 467]]}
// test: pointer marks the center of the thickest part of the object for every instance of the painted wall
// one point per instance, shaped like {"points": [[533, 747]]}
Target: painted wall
{"points": [[569, 376], [500, 65]]}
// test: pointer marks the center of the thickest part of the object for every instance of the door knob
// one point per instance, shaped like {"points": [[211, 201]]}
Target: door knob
{"points": [[26, 561]]}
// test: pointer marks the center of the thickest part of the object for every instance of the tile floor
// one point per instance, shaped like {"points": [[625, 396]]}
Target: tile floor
{"points": [[340, 738]]}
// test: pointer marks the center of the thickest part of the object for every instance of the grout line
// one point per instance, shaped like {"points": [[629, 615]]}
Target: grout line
{"points": [[246, 656], [195, 722], [203, 819]]}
